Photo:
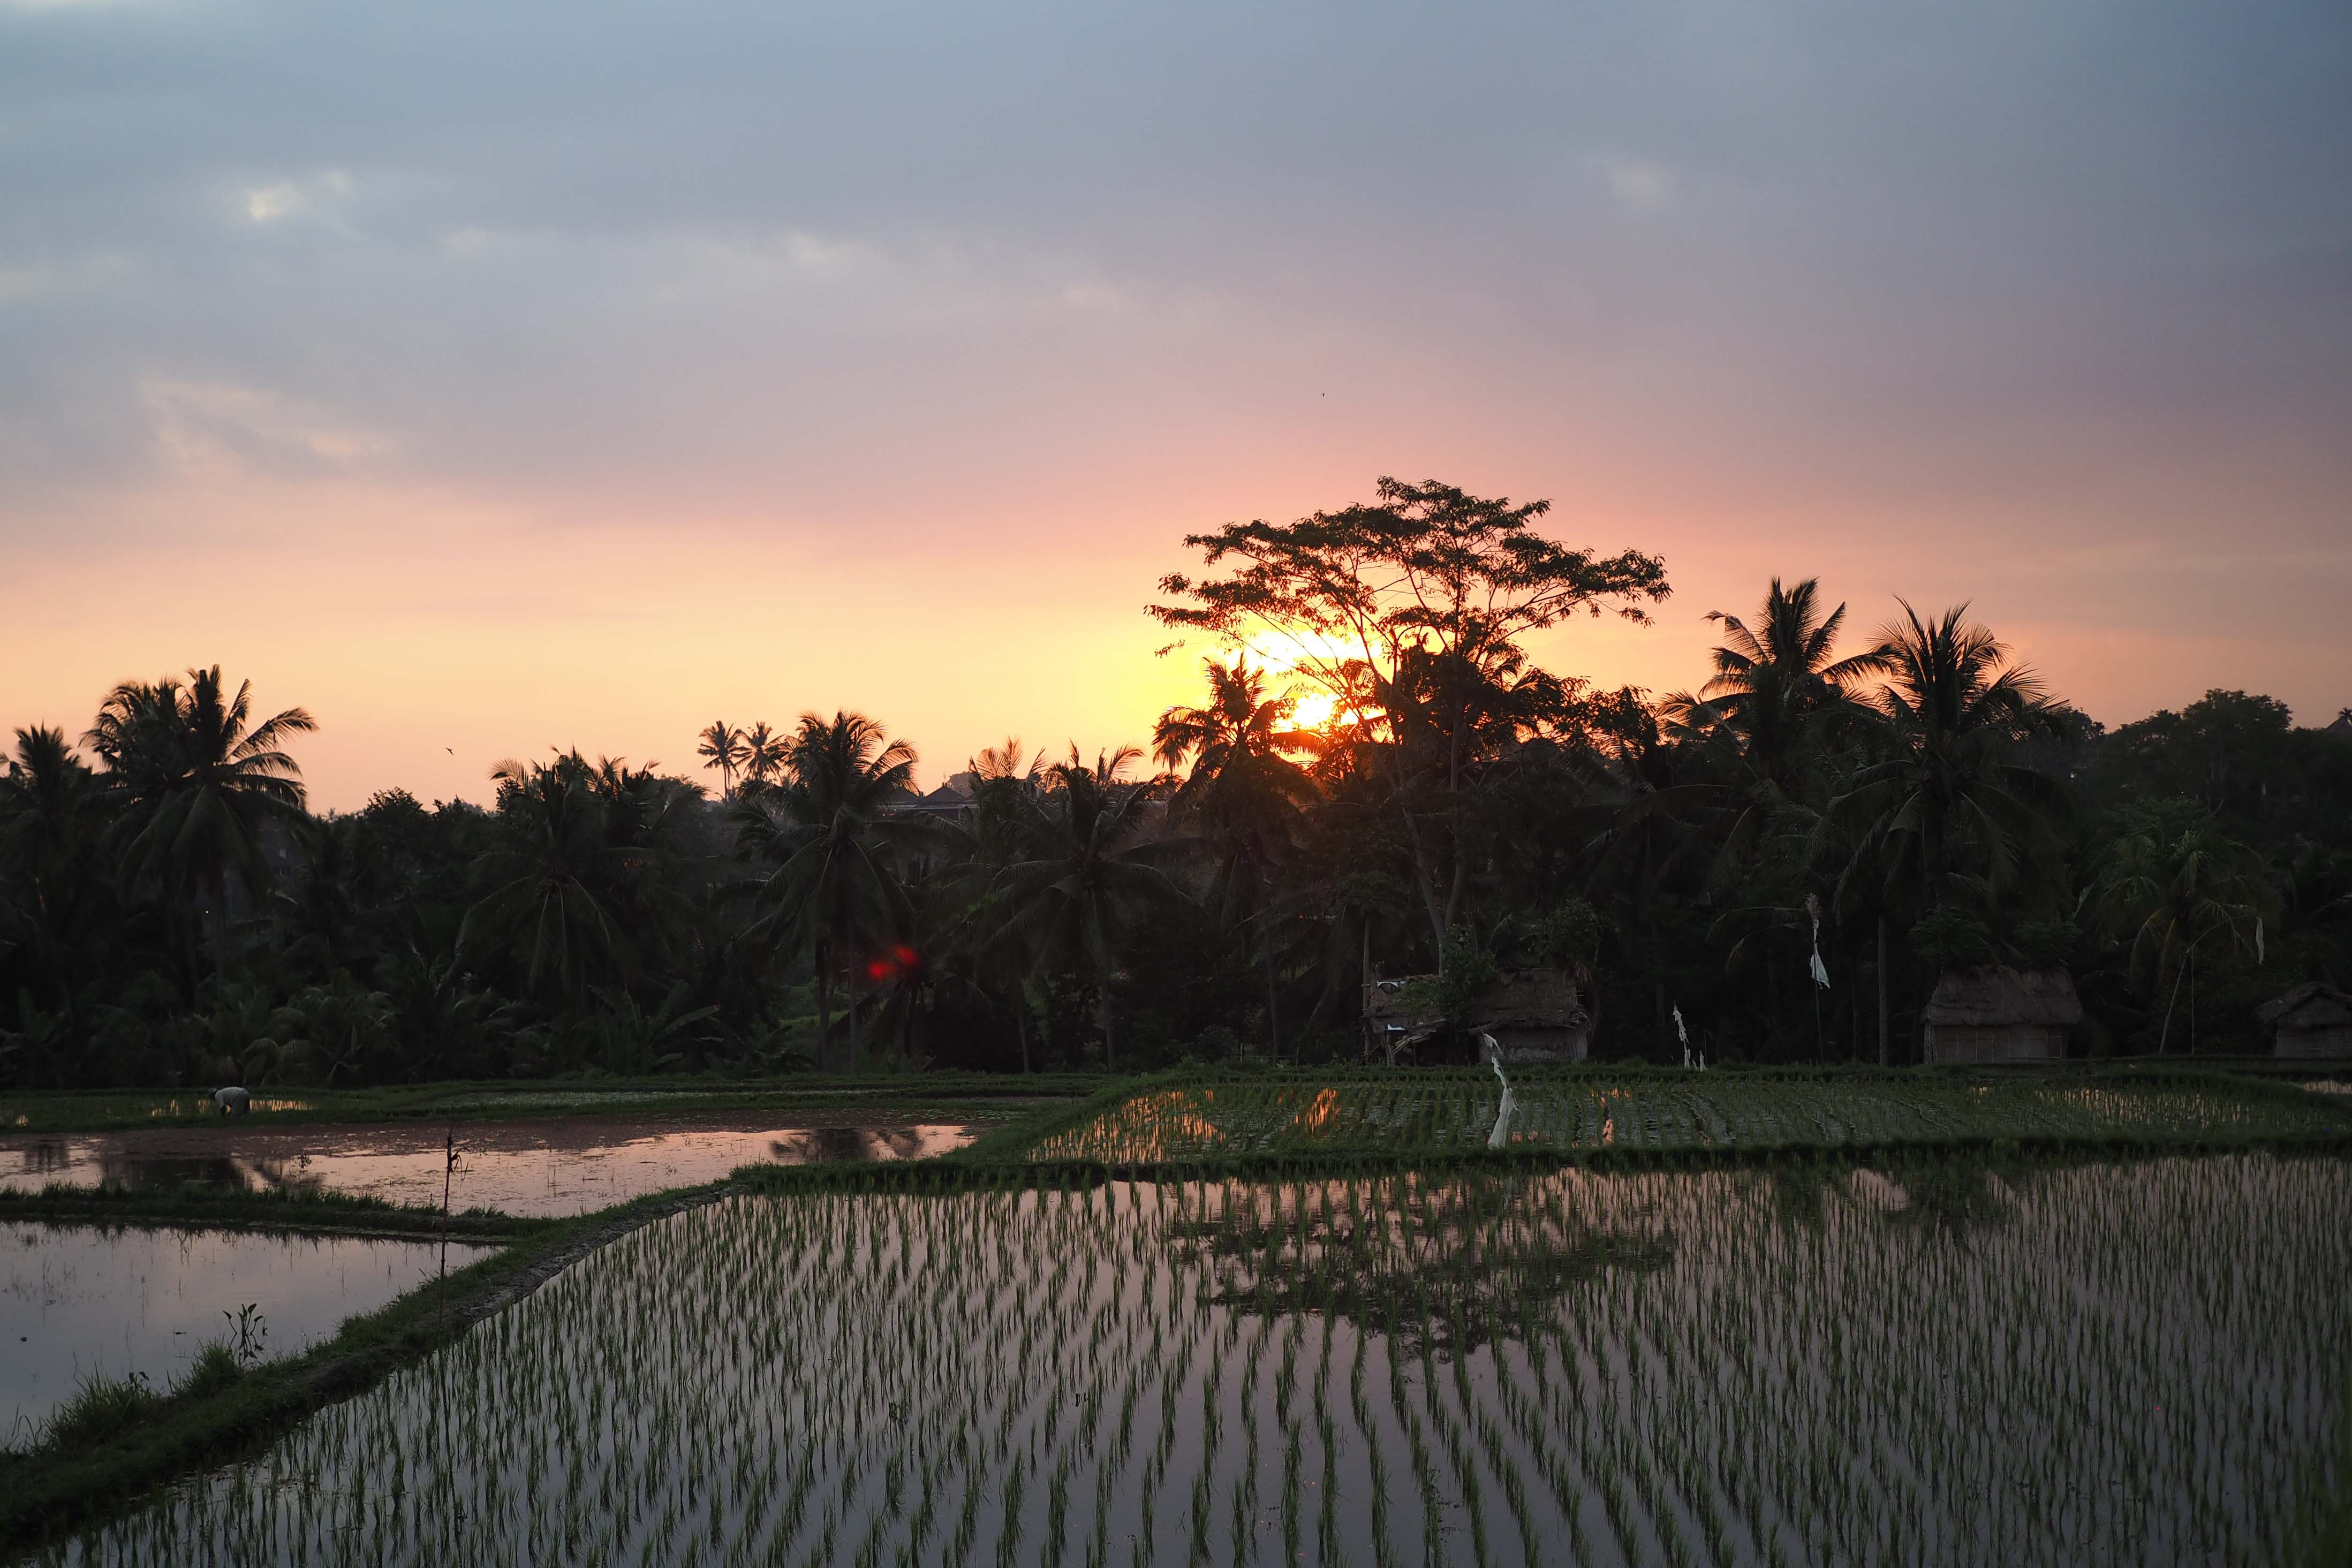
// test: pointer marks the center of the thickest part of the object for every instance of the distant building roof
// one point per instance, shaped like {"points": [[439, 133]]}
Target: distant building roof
{"points": [[944, 802], [2314, 1004], [1995, 999]]}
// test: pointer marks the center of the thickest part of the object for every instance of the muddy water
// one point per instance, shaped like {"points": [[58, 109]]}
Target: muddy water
{"points": [[76, 1301], [542, 1167]]}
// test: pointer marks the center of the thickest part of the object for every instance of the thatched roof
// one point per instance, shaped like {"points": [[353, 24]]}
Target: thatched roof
{"points": [[2314, 1004], [1995, 999], [1531, 998]]}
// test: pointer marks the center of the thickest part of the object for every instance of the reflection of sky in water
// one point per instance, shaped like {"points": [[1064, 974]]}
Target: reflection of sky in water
{"points": [[75, 1299], [520, 1167]]}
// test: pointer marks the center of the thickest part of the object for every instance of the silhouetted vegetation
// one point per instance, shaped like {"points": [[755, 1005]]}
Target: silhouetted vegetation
{"points": [[171, 912]]}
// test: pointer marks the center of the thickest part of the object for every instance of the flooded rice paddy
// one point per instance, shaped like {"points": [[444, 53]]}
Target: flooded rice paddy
{"points": [[1583, 1110], [2117, 1364], [77, 1301], [530, 1168]]}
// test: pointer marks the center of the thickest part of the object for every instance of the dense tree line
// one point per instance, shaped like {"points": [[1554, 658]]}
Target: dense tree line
{"points": [[1866, 811]]}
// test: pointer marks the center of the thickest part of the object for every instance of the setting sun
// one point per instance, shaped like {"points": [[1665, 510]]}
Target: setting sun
{"points": [[1313, 710]]}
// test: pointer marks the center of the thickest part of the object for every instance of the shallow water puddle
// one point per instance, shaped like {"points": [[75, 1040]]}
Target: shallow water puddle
{"points": [[537, 1168], [76, 1300]]}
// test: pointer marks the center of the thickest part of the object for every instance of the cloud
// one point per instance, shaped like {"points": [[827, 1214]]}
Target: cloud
{"points": [[214, 429], [1953, 290], [1638, 183], [286, 198], [268, 202], [29, 282]]}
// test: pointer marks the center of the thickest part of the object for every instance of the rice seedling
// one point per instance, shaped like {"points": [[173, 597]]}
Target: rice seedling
{"points": [[1639, 1110], [1940, 1363]]}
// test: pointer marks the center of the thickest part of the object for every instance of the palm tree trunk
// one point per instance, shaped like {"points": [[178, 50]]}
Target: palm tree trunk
{"points": [[1821, 1041], [1103, 1007], [1272, 1023], [823, 999], [1854, 1006], [1021, 1020], [2166, 1033], [1884, 1047]]}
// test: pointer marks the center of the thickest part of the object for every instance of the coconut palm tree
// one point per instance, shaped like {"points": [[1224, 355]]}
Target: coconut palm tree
{"points": [[1241, 792], [199, 779], [765, 753], [1091, 875], [722, 748], [52, 813], [1945, 812], [1777, 702], [1004, 828], [554, 898], [829, 830], [2172, 896], [1766, 727], [1777, 686]]}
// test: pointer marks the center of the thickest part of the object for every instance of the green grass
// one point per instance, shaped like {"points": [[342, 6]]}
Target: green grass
{"points": [[934, 1096], [206, 1205], [1207, 1119]]}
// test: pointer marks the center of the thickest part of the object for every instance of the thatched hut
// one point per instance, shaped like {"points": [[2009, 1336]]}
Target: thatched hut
{"points": [[2000, 1015], [1534, 1014], [2313, 1019]]}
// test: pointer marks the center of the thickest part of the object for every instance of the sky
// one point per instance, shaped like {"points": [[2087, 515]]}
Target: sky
{"points": [[493, 378]]}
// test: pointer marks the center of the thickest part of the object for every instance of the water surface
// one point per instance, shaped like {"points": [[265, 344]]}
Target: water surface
{"points": [[535, 1167], [2119, 1364], [76, 1300]]}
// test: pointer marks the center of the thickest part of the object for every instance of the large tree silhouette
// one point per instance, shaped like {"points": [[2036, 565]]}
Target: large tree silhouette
{"points": [[829, 832], [1409, 613], [199, 780]]}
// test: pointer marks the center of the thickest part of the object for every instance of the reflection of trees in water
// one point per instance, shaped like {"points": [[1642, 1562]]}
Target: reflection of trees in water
{"points": [[845, 1145], [904, 1143], [1445, 1266], [1957, 1196], [283, 1175], [116, 1168], [44, 1157], [821, 1145]]}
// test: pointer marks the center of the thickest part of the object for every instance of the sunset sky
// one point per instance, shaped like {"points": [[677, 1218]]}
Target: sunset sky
{"points": [[493, 377]]}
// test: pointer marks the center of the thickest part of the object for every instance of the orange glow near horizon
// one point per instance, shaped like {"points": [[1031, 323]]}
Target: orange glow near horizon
{"points": [[432, 637], [717, 376]]}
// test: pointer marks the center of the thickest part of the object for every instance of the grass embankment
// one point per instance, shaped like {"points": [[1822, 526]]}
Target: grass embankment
{"points": [[1252, 1124], [119, 1448], [204, 1205], [916, 1097]]}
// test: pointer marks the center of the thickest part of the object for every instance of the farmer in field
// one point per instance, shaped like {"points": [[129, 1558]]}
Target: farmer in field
{"points": [[233, 1100]]}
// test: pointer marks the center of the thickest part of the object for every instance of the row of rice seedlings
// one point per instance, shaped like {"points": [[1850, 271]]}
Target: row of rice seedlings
{"points": [[1701, 1111], [2103, 1364]]}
